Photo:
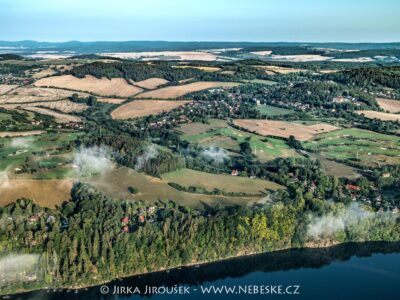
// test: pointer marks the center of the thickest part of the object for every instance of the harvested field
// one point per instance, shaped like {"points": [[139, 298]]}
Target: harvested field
{"points": [[152, 189], [379, 115], [47, 193], [390, 105], [21, 133], [5, 88], [271, 70], [228, 183], [65, 106], [142, 108], [60, 118], [111, 100], [43, 73], [164, 55], [102, 87], [354, 60], [300, 58], [150, 83], [262, 53], [285, 129], [35, 94], [202, 68], [173, 92]]}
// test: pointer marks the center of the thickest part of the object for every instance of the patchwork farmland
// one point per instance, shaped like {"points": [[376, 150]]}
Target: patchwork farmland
{"points": [[103, 87]]}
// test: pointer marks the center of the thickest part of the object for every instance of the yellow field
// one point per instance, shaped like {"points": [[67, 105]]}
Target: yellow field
{"points": [[43, 73], [285, 129], [379, 115], [47, 193], [390, 105], [150, 83], [102, 87], [202, 68], [142, 108], [173, 92]]}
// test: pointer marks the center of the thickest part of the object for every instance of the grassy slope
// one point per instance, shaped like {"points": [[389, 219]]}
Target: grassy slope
{"points": [[356, 145], [228, 183]]}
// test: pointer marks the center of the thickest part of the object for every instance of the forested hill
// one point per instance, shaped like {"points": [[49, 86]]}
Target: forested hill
{"points": [[93, 238]]}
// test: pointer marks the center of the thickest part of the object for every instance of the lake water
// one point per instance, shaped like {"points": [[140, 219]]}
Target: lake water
{"points": [[351, 271]]}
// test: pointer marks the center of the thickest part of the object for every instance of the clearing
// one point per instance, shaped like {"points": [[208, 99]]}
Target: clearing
{"points": [[285, 129], [103, 87], [142, 108], [172, 92]]}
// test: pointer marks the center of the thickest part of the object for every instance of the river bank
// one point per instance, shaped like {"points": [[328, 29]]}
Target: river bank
{"points": [[321, 248]]}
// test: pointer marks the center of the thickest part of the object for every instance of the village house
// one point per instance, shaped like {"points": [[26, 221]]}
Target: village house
{"points": [[235, 173]]}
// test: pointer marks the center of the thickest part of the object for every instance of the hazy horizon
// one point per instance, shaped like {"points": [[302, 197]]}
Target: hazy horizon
{"points": [[308, 21]]}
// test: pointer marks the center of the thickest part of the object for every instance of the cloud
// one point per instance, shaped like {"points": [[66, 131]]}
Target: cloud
{"points": [[22, 142], [14, 265], [4, 179], [149, 153], [93, 160], [216, 154], [331, 223]]}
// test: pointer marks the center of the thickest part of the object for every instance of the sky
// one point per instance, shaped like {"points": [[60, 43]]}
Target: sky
{"points": [[201, 20]]}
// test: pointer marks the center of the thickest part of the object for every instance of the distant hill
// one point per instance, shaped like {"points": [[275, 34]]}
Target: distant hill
{"points": [[127, 46], [10, 56]]}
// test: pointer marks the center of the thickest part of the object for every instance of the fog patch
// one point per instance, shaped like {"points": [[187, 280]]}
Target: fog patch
{"points": [[149, 153], [22, 142], [5, 179], [18, 266], [330, 224], [92, 161], [216, 154]]}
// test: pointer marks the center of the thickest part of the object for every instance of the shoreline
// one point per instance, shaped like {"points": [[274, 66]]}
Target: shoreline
{"points": [[325, 245]]}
